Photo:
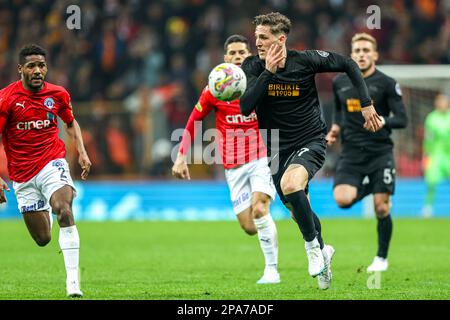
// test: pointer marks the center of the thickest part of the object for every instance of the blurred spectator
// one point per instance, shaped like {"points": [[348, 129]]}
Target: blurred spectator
{"points": [[118, 147], [159, 53], [161, 152]]}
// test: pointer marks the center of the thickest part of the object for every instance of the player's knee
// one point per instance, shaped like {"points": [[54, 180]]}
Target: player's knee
{"points": [[289, 186], [59, 207], [343, 200], [344, 203], [64, 213], [260, 208], [42, 239], [249, 229], [382, 208]]}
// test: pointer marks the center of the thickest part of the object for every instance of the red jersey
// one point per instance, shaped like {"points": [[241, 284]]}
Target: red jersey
{"points": [[239, 140], [29, 128]]}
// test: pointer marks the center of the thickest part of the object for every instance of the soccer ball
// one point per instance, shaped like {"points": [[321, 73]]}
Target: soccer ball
{"points": [[227, 82]]}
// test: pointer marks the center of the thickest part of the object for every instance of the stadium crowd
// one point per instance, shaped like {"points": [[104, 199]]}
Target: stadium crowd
{"points": [[135, 68]]}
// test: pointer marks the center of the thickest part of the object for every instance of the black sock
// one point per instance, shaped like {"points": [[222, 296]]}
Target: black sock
{"points": [[384, 229], [318, 229], [303, 214]]}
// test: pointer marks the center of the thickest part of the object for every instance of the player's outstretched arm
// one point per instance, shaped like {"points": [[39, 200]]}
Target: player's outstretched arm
{"points": [[180, 169], [3, 187], [74, 131], [321, 61], [398, 119], [335, 129], [203, 107]]}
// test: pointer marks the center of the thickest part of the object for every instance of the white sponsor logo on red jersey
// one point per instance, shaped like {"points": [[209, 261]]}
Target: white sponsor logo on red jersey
{"points": [[29, 125], [240, 118]]}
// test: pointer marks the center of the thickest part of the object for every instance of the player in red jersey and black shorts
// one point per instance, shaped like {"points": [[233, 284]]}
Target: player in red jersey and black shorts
{"points": [[36, 157], [244, 158]]}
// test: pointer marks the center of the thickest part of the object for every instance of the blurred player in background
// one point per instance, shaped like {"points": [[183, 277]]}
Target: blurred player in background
{"points": [[282, 90], [247, 174], [436, 148], [36, 164], [366, 165]]}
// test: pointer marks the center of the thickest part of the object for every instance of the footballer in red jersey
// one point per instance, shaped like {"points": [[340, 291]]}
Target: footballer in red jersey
{"points": [[36, 157], [244, 159]]}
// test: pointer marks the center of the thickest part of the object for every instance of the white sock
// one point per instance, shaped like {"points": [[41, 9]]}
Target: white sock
{"points": [[312, 244], [69, 241], [267, 235]]}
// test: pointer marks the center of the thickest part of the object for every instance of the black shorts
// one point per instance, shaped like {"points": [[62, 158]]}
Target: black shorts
{"points": [[368, 172], [311, 156]]}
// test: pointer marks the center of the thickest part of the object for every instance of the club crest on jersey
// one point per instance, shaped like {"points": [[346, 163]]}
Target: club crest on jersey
{"points": [[323, 53], [49, 103], [58, 163]]}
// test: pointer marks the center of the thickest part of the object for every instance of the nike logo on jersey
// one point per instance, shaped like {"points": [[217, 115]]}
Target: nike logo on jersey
{"points": [[21, 104]]}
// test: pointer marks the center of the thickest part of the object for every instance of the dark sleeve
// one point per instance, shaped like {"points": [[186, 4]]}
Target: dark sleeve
{"points": [[324, 61], [398, 119], [256, 87], [337, 110]]}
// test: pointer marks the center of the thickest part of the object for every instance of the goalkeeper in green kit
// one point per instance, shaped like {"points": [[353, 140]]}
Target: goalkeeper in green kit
{"points": [[436, 149]]}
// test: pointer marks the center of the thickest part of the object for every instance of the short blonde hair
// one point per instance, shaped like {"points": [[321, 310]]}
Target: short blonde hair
{"points": [[365, 37]]}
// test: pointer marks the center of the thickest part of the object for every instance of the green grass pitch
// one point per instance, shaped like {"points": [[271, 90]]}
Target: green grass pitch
{"points": [[216, 260]]}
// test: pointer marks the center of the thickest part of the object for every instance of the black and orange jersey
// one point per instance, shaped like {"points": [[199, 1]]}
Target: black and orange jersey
{"points": [[387, 100], [287, 101]]}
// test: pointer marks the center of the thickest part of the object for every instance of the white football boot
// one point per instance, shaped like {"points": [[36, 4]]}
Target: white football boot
{"points": [[73, 289], [379, 264], [324, 279], [315, 258], [270, 276]]}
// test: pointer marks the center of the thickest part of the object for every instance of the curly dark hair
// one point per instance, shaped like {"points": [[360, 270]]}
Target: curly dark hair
{"points": [[30, 49]]}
